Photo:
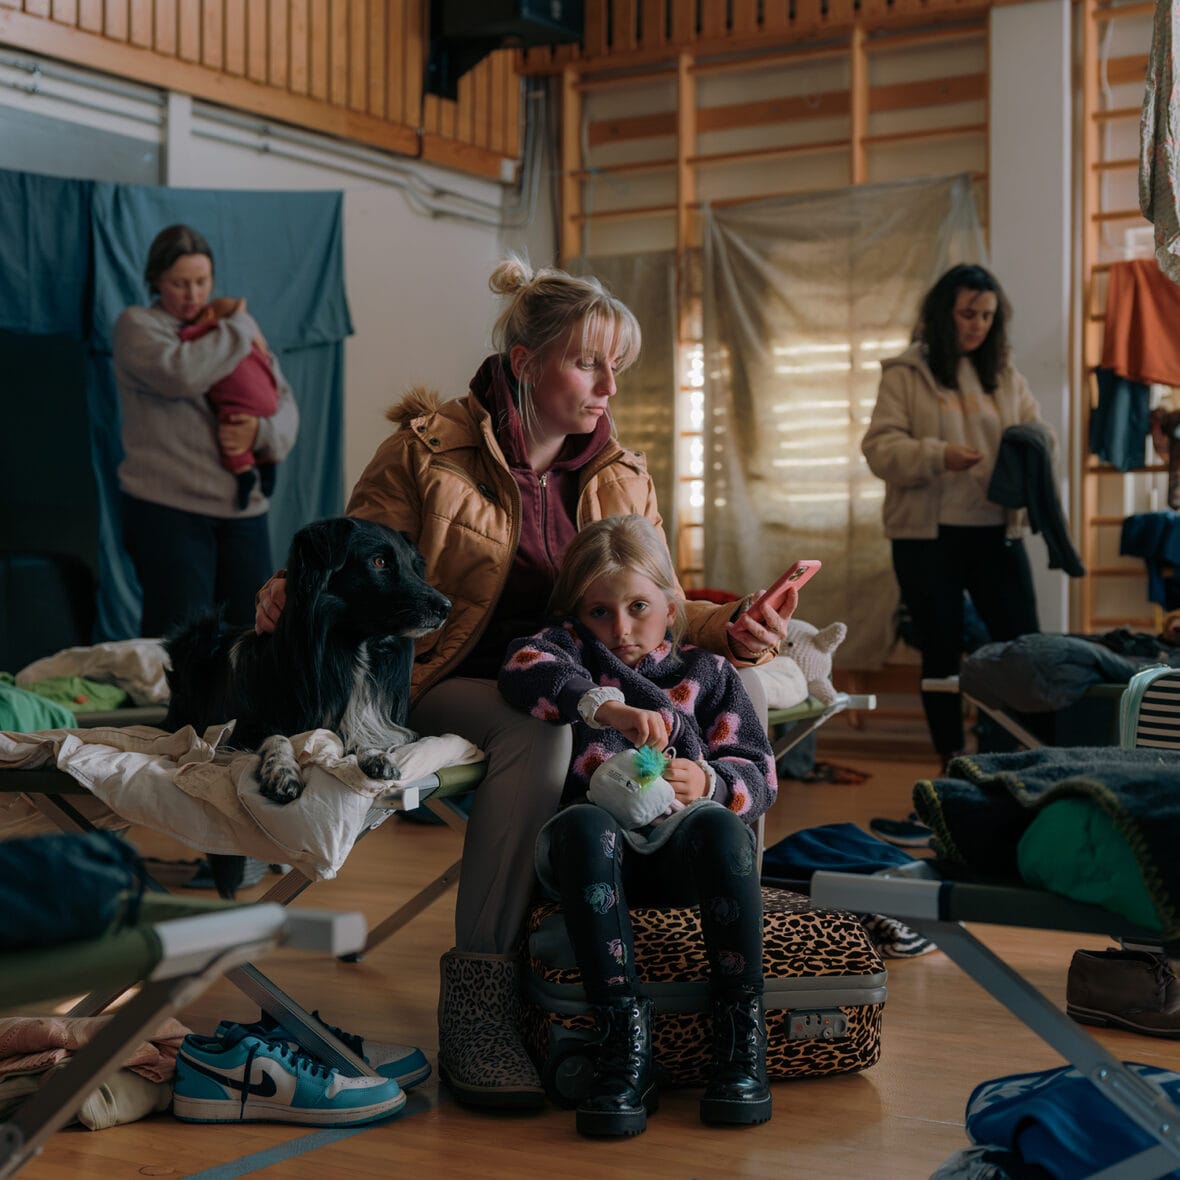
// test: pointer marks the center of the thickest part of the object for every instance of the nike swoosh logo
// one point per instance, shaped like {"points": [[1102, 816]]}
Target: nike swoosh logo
{"points": [[266, 1088]]}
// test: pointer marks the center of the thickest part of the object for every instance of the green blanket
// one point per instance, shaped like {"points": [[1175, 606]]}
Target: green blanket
{"points": [[26, 712]]}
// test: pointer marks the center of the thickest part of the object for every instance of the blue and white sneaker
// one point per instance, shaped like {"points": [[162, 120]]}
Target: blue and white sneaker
{"points": [[238, 1078], [405, 1064]]}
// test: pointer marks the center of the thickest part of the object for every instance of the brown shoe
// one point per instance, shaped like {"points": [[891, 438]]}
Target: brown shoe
{"points": [[1135, 990]]}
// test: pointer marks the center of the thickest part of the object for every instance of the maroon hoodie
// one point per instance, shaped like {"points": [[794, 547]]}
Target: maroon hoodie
{"points": [[549, 505]]}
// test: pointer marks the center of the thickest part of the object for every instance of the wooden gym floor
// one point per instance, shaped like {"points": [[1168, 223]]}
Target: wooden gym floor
{"points": [[942, 1035]]}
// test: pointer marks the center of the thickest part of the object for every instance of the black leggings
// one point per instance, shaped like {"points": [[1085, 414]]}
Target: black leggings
{"points": [[189, 564], [708, 859], [932, 576]]}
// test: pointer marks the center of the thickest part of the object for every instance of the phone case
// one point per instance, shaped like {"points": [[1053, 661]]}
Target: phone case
{"points": [[797, 575]]}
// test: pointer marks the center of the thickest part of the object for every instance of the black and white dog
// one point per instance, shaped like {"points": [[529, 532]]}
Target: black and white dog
{"points": [[339, 658]]}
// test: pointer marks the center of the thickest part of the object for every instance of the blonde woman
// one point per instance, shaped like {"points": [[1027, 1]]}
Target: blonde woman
{"points": [[492, 486]]}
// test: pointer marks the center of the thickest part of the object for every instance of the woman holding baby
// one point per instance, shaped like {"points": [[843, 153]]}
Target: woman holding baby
{"points": [[206, 413]]}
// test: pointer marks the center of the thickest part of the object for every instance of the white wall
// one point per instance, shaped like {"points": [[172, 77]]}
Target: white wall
{"points": [[1029, 170]]}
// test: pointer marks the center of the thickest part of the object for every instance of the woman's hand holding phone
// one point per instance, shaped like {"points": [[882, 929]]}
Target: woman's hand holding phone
{"points": [[764, 624]]}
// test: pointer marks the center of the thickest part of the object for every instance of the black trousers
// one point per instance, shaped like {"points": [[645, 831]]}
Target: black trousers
{"points": [[708, 860], [932, 576], [188, 564]]}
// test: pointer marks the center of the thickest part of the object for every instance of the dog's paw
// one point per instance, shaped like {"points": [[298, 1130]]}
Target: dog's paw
{"points": [[279, 778], [377, 764]]}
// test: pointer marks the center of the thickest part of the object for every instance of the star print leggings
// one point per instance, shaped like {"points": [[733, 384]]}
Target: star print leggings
{"points": [[708, 860]]}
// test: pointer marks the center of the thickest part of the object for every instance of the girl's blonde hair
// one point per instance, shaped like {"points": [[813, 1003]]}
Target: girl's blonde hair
{"points": [[543, 306], [615, 545]]}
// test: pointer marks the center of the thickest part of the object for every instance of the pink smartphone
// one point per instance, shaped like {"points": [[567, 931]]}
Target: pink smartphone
{"points": [[798, 575]]}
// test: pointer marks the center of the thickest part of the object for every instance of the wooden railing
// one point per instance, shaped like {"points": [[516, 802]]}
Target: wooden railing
{"points": [[351, 68], [623, 33]]}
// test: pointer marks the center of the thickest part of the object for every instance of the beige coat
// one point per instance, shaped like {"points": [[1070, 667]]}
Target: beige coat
{"points": [[903, 447], [442, 479]]}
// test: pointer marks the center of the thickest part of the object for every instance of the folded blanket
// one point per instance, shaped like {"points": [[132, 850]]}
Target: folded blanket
{"points": [[30, 1043], [192, 789], [980, 812], [135, 665]]}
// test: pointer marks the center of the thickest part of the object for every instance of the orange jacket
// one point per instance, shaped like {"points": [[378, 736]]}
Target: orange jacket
{"points": [[442, 479]]}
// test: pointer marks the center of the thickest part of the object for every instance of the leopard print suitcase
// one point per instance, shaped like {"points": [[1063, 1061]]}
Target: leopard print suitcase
{"points": [[825, 991]]}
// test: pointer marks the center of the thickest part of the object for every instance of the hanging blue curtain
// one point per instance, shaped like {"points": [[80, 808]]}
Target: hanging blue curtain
{"points": [[284, 253], [44, 254], [72, 254]]}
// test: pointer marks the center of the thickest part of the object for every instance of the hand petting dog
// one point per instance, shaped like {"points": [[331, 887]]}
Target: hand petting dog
{"points": [[337, 656]]}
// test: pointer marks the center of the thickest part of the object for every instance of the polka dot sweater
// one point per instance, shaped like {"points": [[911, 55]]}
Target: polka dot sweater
{"points": [[708, 712]]}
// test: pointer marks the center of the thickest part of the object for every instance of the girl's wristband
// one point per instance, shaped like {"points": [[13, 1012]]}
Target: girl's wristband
{"points": [[592, 700]]}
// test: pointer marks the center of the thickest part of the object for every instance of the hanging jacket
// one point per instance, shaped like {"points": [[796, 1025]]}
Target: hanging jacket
{"points": [[1120, 422], [1023, 478]]}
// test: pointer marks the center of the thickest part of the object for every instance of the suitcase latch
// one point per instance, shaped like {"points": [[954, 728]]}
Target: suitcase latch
{"points": [[818, 1026]]}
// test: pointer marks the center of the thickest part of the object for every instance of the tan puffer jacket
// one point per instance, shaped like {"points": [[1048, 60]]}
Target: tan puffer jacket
{"points": [[903, 446], [442, 479]]}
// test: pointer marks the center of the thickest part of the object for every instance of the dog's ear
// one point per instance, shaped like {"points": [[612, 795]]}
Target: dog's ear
{"points": [[317, 552], [323, 544]]}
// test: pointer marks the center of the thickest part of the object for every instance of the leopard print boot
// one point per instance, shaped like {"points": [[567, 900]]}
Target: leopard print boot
{"points": [[480, 1052]]}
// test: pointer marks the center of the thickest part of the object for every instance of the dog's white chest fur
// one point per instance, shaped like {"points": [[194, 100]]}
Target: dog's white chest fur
{"points": [[365, 725]]}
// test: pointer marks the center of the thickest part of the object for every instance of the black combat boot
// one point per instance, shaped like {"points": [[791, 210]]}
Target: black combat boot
{"points": [[622, 1091], [737, 1092]]}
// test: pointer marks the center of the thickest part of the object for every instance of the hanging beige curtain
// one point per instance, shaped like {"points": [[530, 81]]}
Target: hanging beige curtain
{"points": [[803, 297], [644, 408]]}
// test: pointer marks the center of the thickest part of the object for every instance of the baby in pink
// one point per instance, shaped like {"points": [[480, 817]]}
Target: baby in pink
{"points": [[250, 389]]}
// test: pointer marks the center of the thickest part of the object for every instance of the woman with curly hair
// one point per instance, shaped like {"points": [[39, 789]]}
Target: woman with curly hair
{"points": [[941, 410]]}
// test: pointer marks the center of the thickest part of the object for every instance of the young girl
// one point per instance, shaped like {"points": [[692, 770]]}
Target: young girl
{"points": [[614, 671]]}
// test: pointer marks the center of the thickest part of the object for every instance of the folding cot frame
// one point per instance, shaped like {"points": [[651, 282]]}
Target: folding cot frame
{"points": [[175, 950], [950, 684], [440, 793], [937, 908], [1149, 715], [804, 719], [50, 790]]}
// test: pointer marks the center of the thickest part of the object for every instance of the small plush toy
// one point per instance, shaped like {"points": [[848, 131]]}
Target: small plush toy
{"points": [[812, 651], [783, 682], [629, 786]]}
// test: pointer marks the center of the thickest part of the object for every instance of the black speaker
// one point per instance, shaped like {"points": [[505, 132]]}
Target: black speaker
{"points": [[463, 32], [514, 23]]}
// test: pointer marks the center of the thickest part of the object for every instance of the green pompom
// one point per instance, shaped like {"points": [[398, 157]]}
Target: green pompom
{"points": [[650, 763]]}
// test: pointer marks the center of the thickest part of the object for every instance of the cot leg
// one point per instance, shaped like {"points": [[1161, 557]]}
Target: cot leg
{"points": [[51, 1107], [424, 897], [1141, 1102], [307, 1031]]}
